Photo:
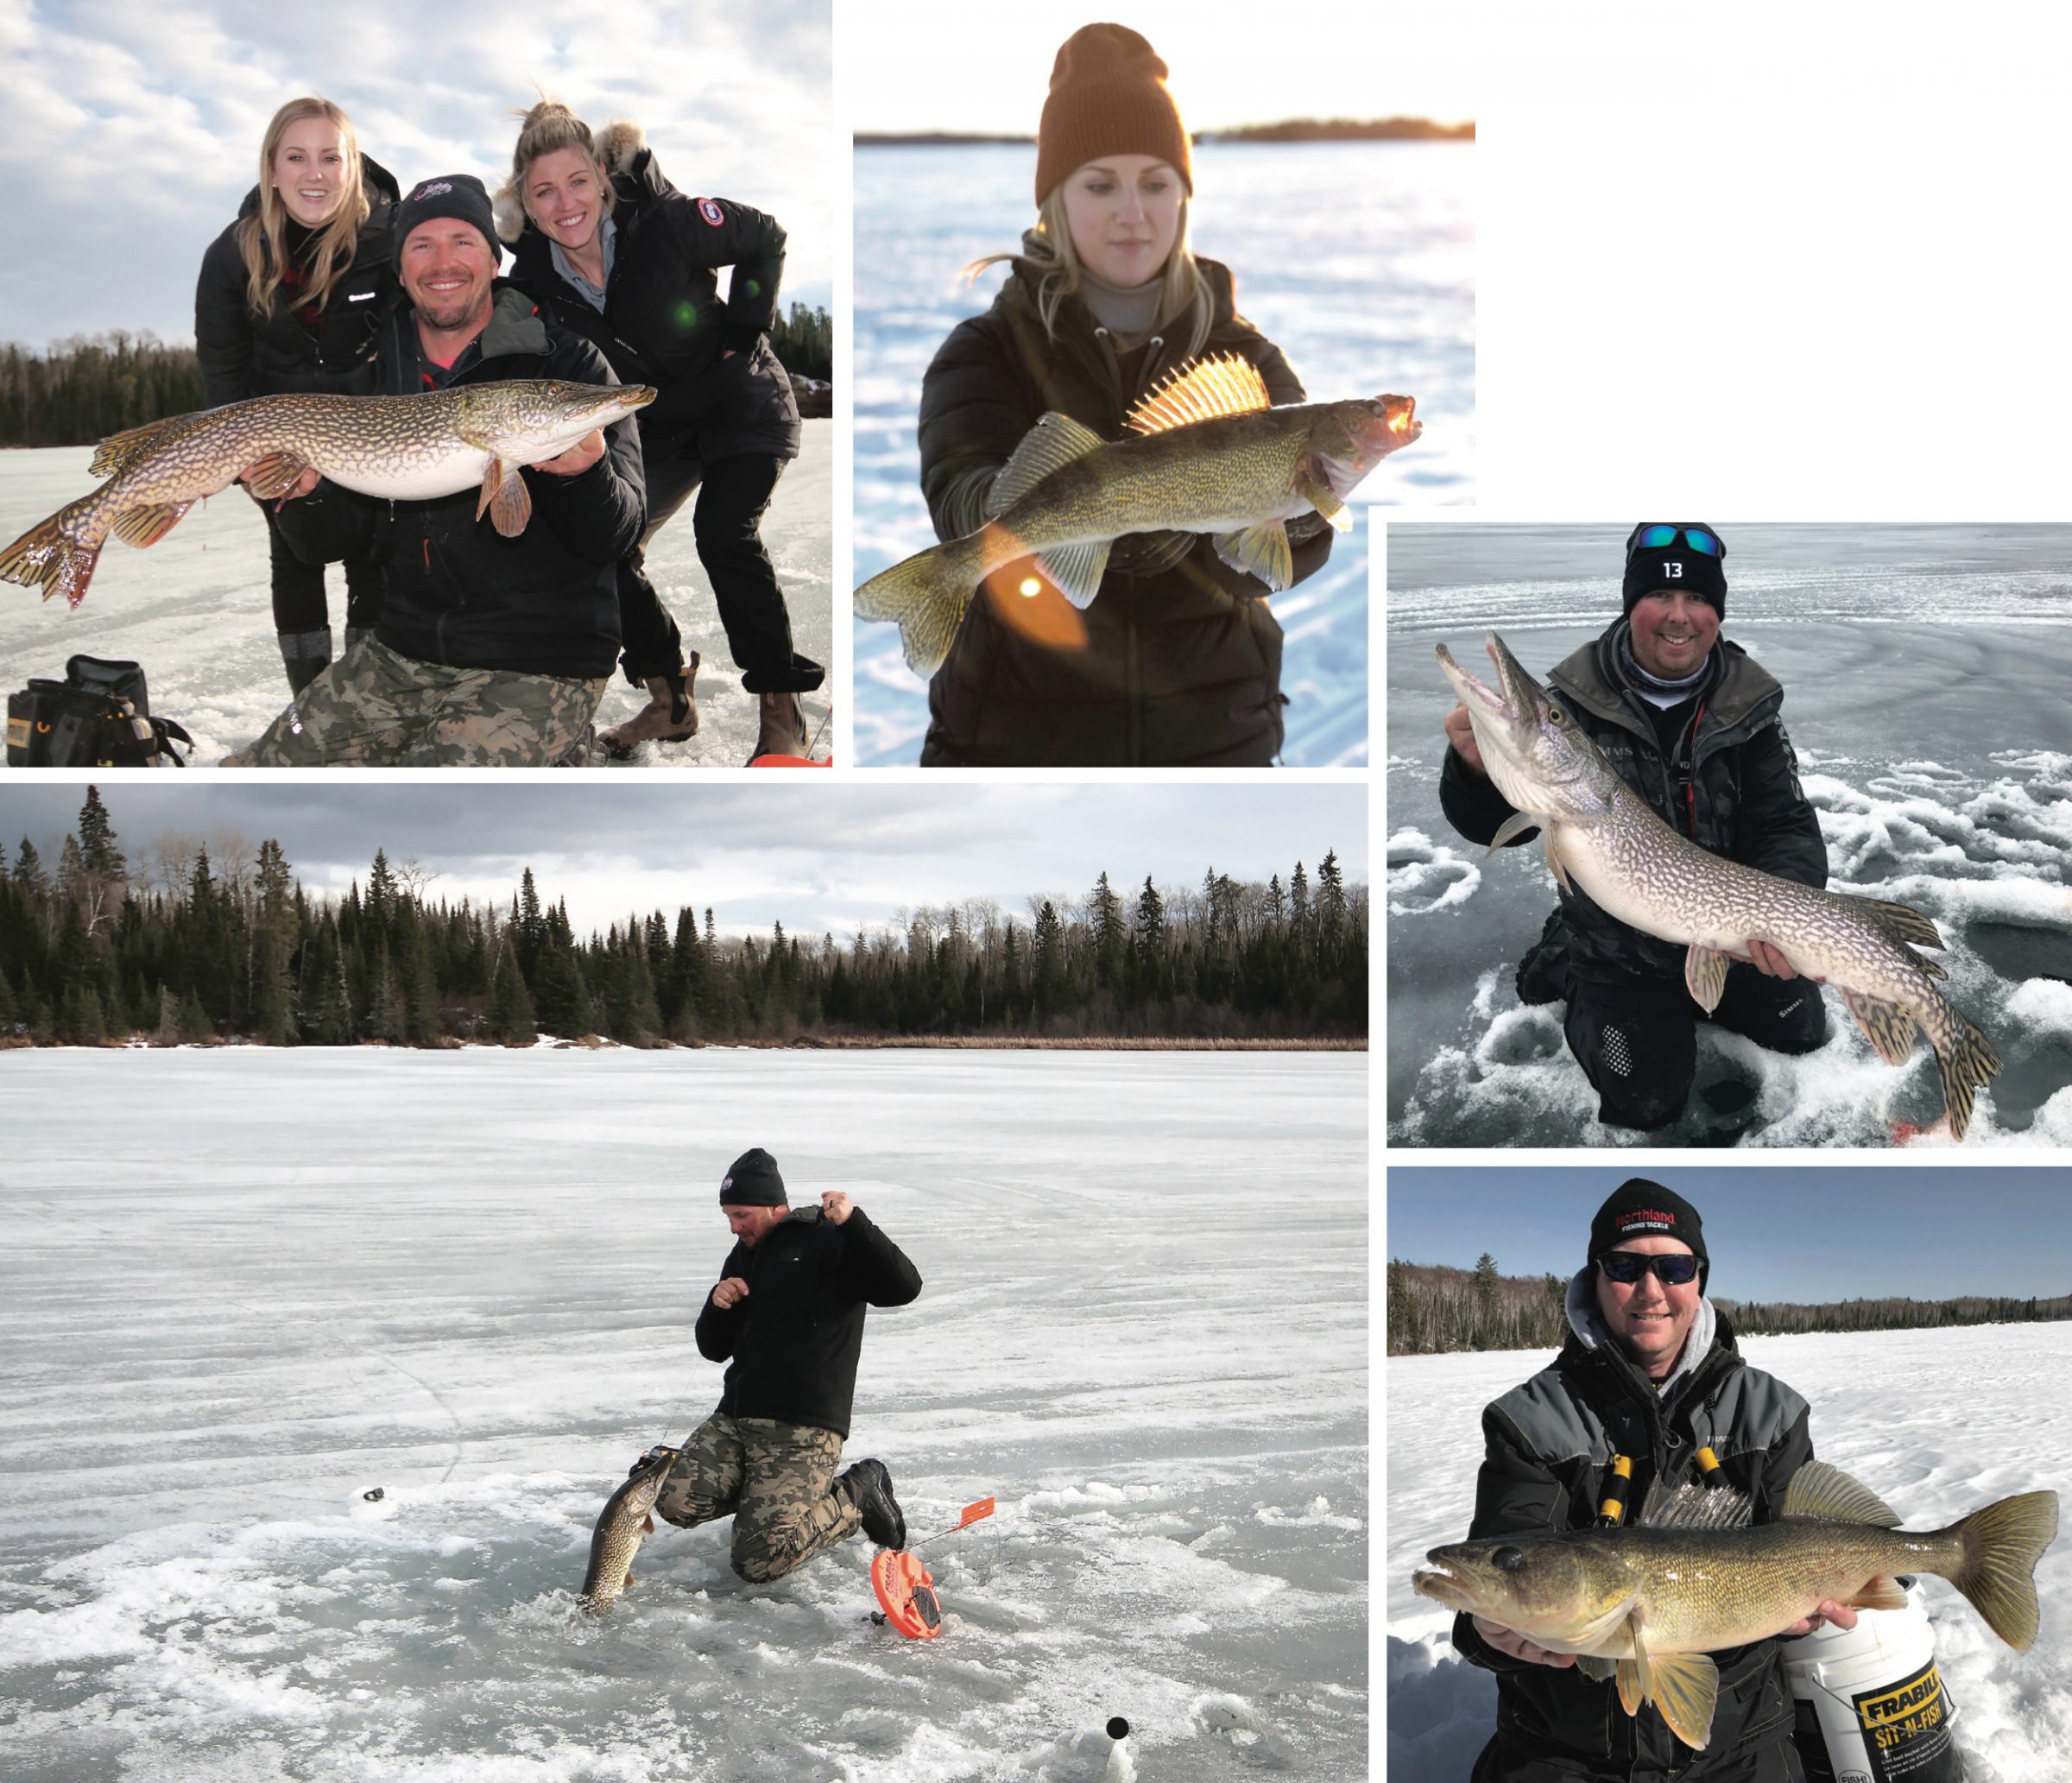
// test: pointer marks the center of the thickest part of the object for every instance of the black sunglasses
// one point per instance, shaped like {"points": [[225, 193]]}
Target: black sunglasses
{"points": [[1629, 1266]]}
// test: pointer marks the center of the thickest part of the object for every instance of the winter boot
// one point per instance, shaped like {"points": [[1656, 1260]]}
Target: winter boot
{"points": [[870, 1491], [305, 655], [783, 728], [670, 716]]}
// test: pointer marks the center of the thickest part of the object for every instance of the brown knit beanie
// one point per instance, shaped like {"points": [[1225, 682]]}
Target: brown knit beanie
{"points": [[1107, 97]]}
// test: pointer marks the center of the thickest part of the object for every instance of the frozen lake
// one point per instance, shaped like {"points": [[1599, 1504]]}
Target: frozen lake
{"points": [[1385, 301], [195, 611], [1937, 1423], [1925, 672], [232, 1302]]}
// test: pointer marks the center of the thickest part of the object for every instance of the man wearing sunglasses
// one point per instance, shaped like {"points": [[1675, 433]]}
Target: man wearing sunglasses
{"points": [[1650, 1372], [1691, 723]]}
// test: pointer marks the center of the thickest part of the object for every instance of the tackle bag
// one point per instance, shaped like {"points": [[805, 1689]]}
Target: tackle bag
{"points": [[99, 716]]}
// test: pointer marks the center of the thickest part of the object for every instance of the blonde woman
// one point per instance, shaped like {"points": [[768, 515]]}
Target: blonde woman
{"points": [[1178, 661], [614, 253], [287, 300]]}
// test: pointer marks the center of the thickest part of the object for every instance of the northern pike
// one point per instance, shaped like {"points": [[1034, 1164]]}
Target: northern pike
{"points": [[1601, 836], [1646, 1604], [404, 448], [1209, 455], [626, 1519]]}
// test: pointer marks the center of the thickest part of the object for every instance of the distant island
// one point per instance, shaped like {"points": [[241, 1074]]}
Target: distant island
{"points": [[1295, 129]]}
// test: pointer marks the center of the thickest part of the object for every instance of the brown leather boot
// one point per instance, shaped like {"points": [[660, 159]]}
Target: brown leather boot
{"points": [[670, 716], [783, 727]]}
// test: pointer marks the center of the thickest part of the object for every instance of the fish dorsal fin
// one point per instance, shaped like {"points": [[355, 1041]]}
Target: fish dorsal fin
{"points": [[1692, 1506], [1055, 441], [1902, 922], [1227, 384], [1818, 1490], [118, 451]]}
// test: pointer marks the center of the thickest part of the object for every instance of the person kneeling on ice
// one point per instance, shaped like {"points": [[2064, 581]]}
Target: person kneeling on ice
{"points": [[490, 651], [1650, 1377], [1690, 721], [788, 1315]]}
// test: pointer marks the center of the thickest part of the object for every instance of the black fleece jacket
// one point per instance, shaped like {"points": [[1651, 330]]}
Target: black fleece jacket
{"points": [[794, 1338]]}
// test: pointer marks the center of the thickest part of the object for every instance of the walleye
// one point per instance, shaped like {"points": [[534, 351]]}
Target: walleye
{"points": [[621, 1525], [1602, 838], [1210, 456], [1646, 1604], [404, 448]]}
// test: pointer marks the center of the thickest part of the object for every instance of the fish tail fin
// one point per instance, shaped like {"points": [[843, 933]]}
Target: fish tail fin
{"points": [[927, 596], [2001, 1546], [1968, 1061], [56, 556]]}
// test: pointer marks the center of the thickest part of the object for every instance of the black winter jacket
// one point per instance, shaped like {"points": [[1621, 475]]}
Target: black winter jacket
{"points": [[664, 323], [1730, 783], [1181, 663], [794, 1338], [245, 354], [1548, 1448], [456, 591]]}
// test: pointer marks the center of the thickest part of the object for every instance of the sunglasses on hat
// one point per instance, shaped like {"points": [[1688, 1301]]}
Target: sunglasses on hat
{"points": [[1629, 1266], [1653, 538]]}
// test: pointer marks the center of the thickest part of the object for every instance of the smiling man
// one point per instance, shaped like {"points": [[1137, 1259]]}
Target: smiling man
{"points": [[490, 651], [1651, 1376], [1692, 724]]}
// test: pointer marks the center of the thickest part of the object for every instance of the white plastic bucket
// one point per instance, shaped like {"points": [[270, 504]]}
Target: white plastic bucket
{"points": [[1869, 1702]]}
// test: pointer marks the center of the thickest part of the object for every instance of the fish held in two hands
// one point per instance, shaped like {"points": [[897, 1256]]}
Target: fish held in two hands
{"points": [[1210, 455], [1646, 1604], [1602, 837], [403, 448]]}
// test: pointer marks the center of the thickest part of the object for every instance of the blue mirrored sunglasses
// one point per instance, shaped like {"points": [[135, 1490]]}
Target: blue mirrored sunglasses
{"points": [[1628, 1267], [1653, 538]]}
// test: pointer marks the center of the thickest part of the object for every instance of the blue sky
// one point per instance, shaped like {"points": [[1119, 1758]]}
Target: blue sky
{"points": [[1786, 1231], [131, 132]]}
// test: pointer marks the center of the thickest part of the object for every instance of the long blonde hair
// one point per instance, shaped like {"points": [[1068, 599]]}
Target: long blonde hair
{"points": [[1184, 298], [549, 126], [262, 236]]}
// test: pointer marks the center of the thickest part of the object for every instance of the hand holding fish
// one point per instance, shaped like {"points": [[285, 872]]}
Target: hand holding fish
{"points": [[301, 486], [1459, 732], [1510, 1641], [730, 1292], [1827, 1610], [1771, 965], [579, 458]]}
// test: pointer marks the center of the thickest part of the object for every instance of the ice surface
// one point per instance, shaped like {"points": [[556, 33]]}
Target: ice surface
{"points": [[1937, 1423], [239, 1290], [1925, 672], [1388, 305], [194, 609]]}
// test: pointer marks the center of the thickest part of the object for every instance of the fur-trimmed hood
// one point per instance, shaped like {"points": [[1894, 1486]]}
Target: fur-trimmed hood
{"points": [[616, 145]]}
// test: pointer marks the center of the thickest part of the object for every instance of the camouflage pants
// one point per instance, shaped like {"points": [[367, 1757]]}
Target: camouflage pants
{"points": [[773, 1479], [375, 707]]}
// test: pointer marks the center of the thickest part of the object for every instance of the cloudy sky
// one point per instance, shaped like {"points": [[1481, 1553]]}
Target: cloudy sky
{"points": [[816, 856], [932, 65], [132, 131]]}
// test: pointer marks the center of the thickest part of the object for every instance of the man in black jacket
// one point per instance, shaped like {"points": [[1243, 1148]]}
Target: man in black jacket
{"points": [[786, 1314], [1650, 1373], [1690, 721], [490, 651]]}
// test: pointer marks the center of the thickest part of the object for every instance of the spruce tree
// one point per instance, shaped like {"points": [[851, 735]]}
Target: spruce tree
{"points": [[510, 1006]]}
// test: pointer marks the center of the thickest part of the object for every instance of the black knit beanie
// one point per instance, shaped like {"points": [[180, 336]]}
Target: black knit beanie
{"points": [[1658, 569], [752, 1181], [460, 195], [1641, 1209], [1107, 97]]}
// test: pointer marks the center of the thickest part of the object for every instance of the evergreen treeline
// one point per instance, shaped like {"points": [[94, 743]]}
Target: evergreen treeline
{"points": [[1432, 1308], [196, 946], [82, 390]]}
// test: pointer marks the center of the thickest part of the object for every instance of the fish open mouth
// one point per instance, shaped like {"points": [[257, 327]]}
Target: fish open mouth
{"points": [[1473, 691], [1437, 1584], [1400, 414]]}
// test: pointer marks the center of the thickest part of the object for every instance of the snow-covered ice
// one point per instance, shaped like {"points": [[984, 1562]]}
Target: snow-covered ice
{"points": [[239, 1290], [1937, 1423], [195, 611]]}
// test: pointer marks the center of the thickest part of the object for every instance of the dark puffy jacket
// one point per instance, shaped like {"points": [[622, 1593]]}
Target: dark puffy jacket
{"points": [[1547, 1455], [1729, 782], [456, 590], [794, 1339], [1181, 663], [664, 323], [245, 354]]}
